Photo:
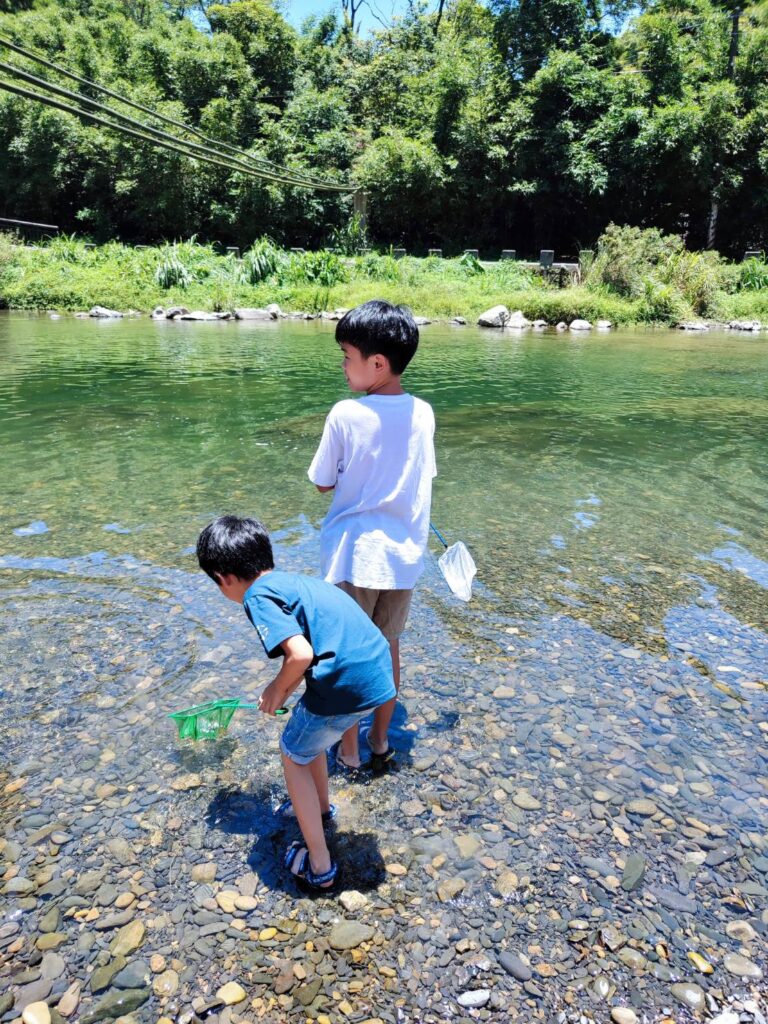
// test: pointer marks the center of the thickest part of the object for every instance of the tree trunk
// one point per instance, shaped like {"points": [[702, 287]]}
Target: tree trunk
{"points": [[714, 209]]}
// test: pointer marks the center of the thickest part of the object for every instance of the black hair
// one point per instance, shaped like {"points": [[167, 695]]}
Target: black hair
{"points": [[233, 546], [379, 328]]}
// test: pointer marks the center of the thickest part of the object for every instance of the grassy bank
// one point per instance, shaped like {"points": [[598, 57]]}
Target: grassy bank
{"points": [[65, 274]]}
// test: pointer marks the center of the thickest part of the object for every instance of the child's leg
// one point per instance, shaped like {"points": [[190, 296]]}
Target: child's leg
{"points": [[382, 716], [308, 789]]}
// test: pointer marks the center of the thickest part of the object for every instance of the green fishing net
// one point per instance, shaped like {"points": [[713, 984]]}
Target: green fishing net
{"points": [[205, 721]]}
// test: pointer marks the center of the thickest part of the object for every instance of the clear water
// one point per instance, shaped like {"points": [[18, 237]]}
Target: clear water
{"points": [[613, 490]]}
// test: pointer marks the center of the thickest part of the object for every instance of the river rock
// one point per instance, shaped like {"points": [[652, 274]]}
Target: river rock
{"points": [[518, 320], [175, 312], [204, 872], [739, 965], [101, 312], [166, 984], [200, 315], [158, 313], [623, 1015], [135, 975], [349, 934], [634, 872], [645, 808], [102, 976], [693, 325], [525, 800], [690, 995], [122, 851], [513, 965], [129, 937], [742, 931], [561, 326], [744, 325], [507, 882], [70, 1000], [231, 993], [253, 314], [49, 922], [52, 966], [450, 888], [117, 1003], [496, 316], [475, 999], [606, 325], [580, 325], [36, 1013], [352, 900]]}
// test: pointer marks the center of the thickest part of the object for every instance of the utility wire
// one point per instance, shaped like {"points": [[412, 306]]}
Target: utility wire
{"points": [[296, 178], [176, 148], [268, 164]]}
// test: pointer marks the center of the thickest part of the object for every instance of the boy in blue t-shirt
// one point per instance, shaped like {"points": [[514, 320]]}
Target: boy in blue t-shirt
{"points": [[325, 639]]}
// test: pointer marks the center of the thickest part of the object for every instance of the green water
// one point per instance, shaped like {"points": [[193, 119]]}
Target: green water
{"points": [[613, 490], [600, 472]]}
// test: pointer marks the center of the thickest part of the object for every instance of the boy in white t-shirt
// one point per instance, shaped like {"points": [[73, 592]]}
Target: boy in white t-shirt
{"points": [[377, 456]]}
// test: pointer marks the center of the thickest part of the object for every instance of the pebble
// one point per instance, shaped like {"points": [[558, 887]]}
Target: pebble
{"points": [[129, 938], [117, 1003], [689, 995], [475, 999], [742, 931], [352, 900], [166, 984], [36, 1013], [349, 935], [231, 993], [739, 965], [623, 1015], [643, 807], [204, 872], [525, 800], [513, 965], [70, 1000]]}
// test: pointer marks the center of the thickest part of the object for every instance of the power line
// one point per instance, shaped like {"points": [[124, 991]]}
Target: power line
{"points": [[196, 149], [310, 180], [177, 148]]}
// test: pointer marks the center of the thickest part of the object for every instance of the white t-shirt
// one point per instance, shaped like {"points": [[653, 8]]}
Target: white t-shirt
{"points": [[378, 454]]}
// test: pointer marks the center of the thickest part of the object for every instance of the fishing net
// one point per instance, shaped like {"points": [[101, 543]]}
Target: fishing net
{"points": [[205, 721], [459, 569]]}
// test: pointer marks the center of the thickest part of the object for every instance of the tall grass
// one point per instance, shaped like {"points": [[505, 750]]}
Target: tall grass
{"points": [[635, 276]]}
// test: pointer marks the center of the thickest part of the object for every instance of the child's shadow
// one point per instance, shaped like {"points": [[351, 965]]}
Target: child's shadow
{"points": [[401, 739], [240, 812]]}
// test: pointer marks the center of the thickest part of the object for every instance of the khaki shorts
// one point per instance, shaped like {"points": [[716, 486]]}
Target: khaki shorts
{"points": [[387, 608]]}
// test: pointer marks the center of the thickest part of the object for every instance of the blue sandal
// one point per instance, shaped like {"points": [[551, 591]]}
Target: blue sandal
{"points": [[304, 873], [285, 810]]}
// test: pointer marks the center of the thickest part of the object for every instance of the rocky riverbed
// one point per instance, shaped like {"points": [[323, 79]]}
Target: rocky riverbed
{"points": [[574, 830]]}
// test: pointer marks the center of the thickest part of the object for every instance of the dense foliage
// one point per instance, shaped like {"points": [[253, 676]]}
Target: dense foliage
{"points": [[525, 124]]}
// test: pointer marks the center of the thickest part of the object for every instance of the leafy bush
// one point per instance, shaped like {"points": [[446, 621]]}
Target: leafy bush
{"points": [[627, 257], [663, 304], [323, 268], [753, 274], [261, 261], [171, 273], [350, 238], [470, 264]]}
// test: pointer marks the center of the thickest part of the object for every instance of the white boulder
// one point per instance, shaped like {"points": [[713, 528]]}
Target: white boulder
{"points": [[102, 313], [562, 326], [253, 314], [580, 325], [603, 325], [496, 316], [518, 319]]}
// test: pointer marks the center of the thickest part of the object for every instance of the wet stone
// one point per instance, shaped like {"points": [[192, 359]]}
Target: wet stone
{"points": [[634, 872], [690, 995], [117, 1003], [135, 975], [102, 976], [739, 965], [513, 965], [349, 934], [475, 999]]}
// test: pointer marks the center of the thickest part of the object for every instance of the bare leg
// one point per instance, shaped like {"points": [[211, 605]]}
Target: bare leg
{"points": [[306, 783], [382, 716]]}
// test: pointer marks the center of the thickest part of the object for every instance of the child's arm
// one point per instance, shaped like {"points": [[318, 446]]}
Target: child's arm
{"points": [[298, 656]]}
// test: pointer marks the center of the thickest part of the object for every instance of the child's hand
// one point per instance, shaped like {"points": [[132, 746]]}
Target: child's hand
{"points": [[271, 699]]}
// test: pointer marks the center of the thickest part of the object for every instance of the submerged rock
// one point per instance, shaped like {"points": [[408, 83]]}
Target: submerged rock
{"points": [[496, 316]]}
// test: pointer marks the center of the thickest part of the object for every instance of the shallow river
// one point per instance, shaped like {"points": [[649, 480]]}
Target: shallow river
{"points": [[577, 821]]}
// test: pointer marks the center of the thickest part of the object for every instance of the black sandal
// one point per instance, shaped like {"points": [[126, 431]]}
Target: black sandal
{"points": [[286, 811], [319, 883]]}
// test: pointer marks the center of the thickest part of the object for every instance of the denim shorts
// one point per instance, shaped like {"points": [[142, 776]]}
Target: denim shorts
{"points": [[306, 735]]}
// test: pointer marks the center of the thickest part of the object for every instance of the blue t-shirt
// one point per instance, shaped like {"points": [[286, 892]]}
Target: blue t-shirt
{"points": [[352, 667]]}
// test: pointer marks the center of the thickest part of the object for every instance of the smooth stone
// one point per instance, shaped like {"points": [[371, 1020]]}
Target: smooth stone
{"points": [[49, 922], [507, 882], [166, 984], [450, 888], [226, 900], [623, 1015], [117, 1003], [204, 872], [34, 992], [634, 872], [52, 966], [690, 995], [231, 993], [123, 917], [70, 1000], [6, 1002], [352, 900], [349, 934], [632, 958], [51, 941], [645, 808], [306, 994], [742, 931], [129, 937], [102, 976], [737, 964], [513, 965], [135, 975], [19, 886], [468, 845], [525, 800], [36, 1013], [475, 999]]}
